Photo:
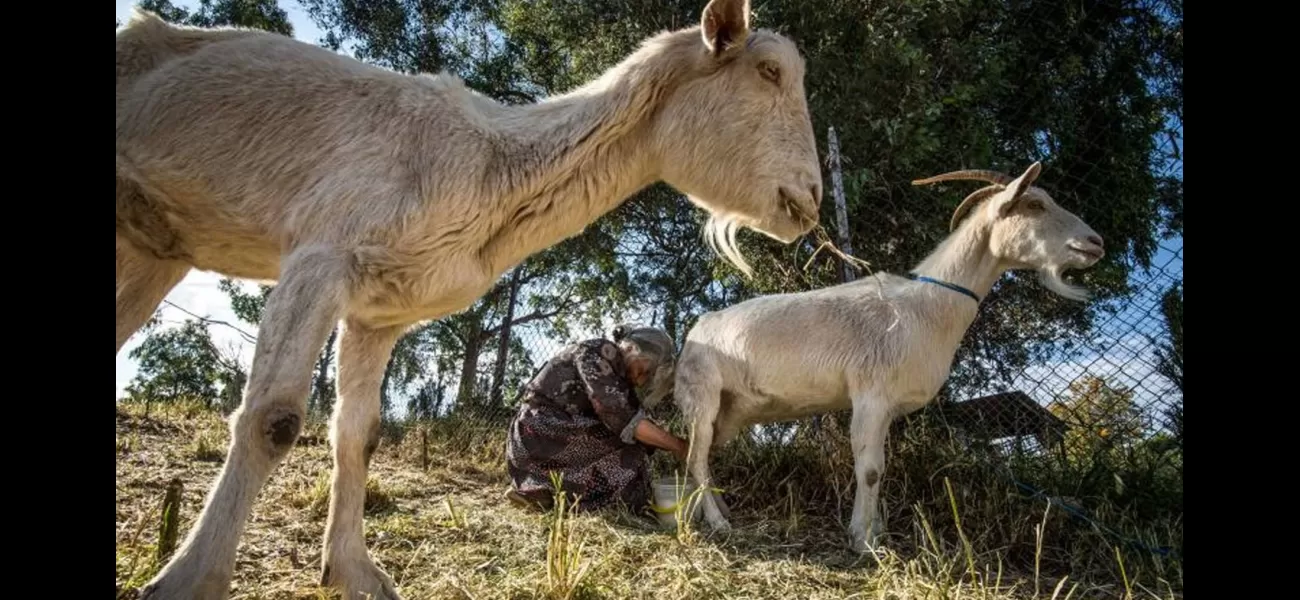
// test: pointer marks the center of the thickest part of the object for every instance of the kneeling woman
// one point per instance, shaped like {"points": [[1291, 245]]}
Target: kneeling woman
{"points": [[581, 416]]}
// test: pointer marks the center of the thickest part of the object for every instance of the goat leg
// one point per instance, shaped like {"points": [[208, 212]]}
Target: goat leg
{"points": [[869, 428], [354, 435], [299, 315]]}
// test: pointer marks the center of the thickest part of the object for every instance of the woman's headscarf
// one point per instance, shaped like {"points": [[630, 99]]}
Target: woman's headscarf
{"points": [[654, 344]]}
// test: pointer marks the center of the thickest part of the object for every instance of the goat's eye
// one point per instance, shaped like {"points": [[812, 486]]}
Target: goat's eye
{"points": [[1035, 205], [770, 71]]}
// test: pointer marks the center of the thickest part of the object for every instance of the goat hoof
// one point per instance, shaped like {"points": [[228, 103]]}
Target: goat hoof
{"points": [[166, 590], [360, 579], [722, 506], [184, 581]]}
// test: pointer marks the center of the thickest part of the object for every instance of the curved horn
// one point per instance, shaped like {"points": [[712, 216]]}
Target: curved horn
{"points": [[968, 174], [971, 201]]}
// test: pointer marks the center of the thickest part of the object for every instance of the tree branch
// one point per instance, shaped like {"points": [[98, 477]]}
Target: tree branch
{"points": [[536, 315], [248, 337]]}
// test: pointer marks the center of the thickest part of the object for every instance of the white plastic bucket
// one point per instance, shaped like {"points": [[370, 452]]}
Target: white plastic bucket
{"points": [[668, 492]]}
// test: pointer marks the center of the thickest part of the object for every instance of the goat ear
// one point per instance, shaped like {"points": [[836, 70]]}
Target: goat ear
{"points": [[1027, 178], [1017, 188], [724, 24]]}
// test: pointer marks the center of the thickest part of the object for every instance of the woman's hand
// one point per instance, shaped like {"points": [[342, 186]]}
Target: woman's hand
{"points": [[653, 435], [679, 448]]}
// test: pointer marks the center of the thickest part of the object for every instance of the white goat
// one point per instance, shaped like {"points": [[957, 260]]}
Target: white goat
{"points": [[882, 345]]}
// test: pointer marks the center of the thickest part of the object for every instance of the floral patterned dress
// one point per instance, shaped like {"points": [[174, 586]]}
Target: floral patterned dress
{"points": [[577, 416]]}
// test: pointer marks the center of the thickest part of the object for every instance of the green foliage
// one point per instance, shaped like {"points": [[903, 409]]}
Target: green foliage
{"points": [[256, 14], [1170, 356], [248, 307], [177, 365], [1170, 353], [1113, 453], [166, 10], [1102, 419]]}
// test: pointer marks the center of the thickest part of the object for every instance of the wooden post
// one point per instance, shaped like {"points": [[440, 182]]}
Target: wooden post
{"points": [[841, 209], [171, 520], [424, 447], [841, 225]]}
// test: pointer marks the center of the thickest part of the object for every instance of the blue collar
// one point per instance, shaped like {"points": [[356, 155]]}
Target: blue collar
{"points": [[956, 288]]}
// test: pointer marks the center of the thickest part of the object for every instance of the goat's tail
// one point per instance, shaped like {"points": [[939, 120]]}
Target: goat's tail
{"points": [[146, 42]]}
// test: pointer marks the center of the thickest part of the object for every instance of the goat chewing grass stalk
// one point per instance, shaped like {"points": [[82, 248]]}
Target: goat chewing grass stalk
{"points": [[824, 237]]}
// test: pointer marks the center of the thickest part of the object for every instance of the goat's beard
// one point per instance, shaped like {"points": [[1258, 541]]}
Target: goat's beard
{"points": [[720, 234], [1051, 277]]}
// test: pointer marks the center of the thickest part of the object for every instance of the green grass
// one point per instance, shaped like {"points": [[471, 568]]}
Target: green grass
{"points": [[448, 532], [566, 569]]}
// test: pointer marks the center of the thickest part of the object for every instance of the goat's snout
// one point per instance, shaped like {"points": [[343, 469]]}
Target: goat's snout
{"points": [[1089, 245], [803, 199], [809, 181]]}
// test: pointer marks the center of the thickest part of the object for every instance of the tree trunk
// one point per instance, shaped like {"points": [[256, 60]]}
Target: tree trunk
{"points": [[322, 396], [385, 401], [234, 392], [440, 397], [469, 362], [670, 315], [503, 343]]}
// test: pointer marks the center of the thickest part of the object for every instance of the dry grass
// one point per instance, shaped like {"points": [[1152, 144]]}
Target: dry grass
{"points": [[449, 533]]}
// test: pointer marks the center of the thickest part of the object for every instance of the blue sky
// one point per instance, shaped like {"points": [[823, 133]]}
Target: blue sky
{"points": [[1119, 352]]}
